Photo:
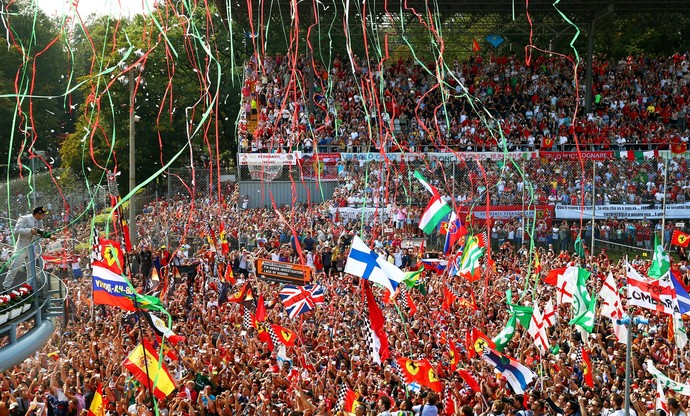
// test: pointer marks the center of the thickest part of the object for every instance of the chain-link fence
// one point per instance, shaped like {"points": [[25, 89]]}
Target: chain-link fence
{"points": [[63, 198], [201, 183], [551, 197]]}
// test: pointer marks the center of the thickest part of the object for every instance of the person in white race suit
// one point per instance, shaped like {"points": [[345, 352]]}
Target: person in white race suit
{"points": [[26, 231]]}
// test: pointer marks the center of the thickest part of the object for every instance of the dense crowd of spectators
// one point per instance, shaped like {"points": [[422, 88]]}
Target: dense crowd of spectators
{"points": [[638, 103], [223, 368]]}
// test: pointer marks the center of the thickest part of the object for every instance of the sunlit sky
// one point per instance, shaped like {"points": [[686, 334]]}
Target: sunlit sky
{"points": [[115, 8]]}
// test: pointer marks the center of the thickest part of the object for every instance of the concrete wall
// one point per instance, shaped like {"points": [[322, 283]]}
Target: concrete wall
{"points": [[286, 193]]}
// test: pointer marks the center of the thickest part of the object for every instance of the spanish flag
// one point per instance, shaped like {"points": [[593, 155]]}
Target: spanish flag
{"points": [[144, 365], [97, 407]]}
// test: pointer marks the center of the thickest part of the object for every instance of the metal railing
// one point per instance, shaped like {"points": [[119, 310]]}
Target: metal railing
{"points": [[46, 302]]}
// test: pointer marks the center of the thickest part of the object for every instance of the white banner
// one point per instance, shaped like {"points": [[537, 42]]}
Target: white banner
{"points": [[572, 212], [652, 294], [267, 159], [351, 213], [444, 157]]}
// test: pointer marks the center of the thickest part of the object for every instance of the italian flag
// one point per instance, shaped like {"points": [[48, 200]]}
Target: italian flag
{"points": [[637, 155], [434, 213], [437, 209]]}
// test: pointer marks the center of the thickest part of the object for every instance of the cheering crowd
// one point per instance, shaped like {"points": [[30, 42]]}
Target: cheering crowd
{"points": [[198, 258], [637, 102], [222, 367]]}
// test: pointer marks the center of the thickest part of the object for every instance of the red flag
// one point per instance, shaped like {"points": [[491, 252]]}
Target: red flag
{"points": [[284, 335], [229, 276], [128, 240], [677, 148], [680, 239], [552, 277], [410, 303], [587, 368], [420, 371], [479, 341], [377, 321], [261, 309], [467, 378], [453, 355], [349, 400], [448, 298], [547, 143], [475, 45]]}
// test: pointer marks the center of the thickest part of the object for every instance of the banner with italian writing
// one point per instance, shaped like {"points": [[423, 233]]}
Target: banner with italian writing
{"points": [[573, 212]]}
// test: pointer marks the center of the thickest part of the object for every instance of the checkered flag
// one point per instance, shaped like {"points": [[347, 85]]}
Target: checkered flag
{"points": [[401, 299], [247, 319], [96, 254], [342, 393], [371, 341], [578, 354], [274, 338]]}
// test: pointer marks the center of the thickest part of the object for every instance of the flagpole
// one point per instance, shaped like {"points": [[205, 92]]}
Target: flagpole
{"points": [[594, 202], [663, 204]]}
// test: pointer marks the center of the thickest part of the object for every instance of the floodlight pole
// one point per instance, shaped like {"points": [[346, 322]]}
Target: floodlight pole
{"points": [[132, 164]]}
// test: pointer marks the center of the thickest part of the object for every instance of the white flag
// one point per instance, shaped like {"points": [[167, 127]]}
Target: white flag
{"points": [[537, 329]]}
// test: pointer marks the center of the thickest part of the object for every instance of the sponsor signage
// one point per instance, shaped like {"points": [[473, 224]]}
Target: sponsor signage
{"points": [[278, 271]]}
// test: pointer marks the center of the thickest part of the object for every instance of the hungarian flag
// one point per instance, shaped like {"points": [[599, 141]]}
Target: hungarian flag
{"points": [[420, 371], [97, 407], [680, 239], [435, 211], [143, 363], [284, 335]]}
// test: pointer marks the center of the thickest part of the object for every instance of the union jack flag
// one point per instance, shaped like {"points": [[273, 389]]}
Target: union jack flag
{"points": [[300, 299]]}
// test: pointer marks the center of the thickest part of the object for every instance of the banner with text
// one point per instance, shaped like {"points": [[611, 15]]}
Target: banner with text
{"points": [[507, 212], [574, 156], [573, 212], [442, 157], [267, 159]]}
